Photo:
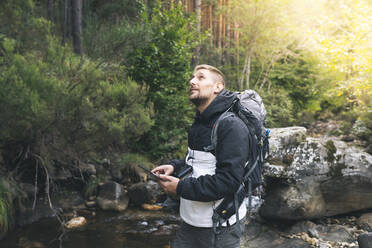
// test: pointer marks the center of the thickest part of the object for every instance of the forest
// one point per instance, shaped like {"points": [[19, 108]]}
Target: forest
{"points": [[91, 81]]}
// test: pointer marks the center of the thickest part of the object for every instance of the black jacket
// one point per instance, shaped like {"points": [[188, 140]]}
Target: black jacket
{"points": [[231, 152]]}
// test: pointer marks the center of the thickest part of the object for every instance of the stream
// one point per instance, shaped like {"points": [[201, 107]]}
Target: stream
{"points": [[130, 229]]}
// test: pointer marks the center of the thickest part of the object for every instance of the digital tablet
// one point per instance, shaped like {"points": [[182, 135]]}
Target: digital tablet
{"points": [[152, 174]]}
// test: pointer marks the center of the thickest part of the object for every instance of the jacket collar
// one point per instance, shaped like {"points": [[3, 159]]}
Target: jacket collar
{"points": [[219, 105]]}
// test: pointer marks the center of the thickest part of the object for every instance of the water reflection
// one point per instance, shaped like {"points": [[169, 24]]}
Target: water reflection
{"points": [[108, 230]]}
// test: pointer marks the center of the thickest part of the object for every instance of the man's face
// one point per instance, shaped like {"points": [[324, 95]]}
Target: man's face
{"points": [[203, 87]]}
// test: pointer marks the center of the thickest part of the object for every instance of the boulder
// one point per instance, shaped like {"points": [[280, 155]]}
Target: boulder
{"points": [[112, 196], [314, 177], [365, 222], [88, 169], [145, 192], [76, 222]]}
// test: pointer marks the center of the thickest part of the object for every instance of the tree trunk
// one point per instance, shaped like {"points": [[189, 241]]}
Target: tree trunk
{"points": [[237, 52], [243, 74], [211, 22], [248, 70], [228, 35], [65, 25], [51, 11], [196, 56], [220, 26], [76, 26]]}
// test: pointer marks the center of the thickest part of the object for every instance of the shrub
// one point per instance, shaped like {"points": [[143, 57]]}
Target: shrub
{"points": [[279, 108], [164, 65], [6, 208], [60, 108]]}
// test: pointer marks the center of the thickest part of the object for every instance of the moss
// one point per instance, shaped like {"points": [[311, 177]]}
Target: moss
{"points": [[314, 146], [276, 161], [288, 159], [336, 170], [331, 150]]}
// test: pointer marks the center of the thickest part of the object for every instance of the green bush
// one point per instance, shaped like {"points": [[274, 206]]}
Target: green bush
{"points": [[65, 108], [163, 64], [301, 77], [366, 119], [279, 108], [6, 209]]}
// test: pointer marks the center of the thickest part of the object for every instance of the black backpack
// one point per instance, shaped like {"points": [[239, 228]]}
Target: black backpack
{"points": [[250, 109]]}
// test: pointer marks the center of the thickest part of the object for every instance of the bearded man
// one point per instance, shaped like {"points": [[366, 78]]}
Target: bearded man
{"points": [[216, 174]]}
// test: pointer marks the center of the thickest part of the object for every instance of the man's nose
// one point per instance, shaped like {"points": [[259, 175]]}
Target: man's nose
{"points": [[192, 81]]}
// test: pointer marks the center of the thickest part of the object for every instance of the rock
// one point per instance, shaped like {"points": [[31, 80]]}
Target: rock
{"points": [[76, 223], [365, 222], [166, 230], [116, 173], [302, 200], [145, 192], [283, 141], [112, 196], [152, 207], [335, 233], [347, 138], [88, 169], [90, 204], [307, 185], [365, 240], [302, 226], [359, 129]]}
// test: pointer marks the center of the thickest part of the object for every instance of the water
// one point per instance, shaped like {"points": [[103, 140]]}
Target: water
{"points": [[107, 230]]}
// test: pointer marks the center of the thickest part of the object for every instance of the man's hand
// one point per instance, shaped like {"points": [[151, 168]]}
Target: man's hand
{"points": [[169, 184], [165, 169]]}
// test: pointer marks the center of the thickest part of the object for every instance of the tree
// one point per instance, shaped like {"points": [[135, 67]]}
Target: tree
{"points": [[196, 56], [163, 63], [76, 8]]}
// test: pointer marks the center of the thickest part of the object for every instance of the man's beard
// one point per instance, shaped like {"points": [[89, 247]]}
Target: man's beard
{"points": [[198, 101]]}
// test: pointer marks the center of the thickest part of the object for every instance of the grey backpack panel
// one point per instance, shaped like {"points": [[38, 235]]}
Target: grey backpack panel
{"points": [[252, 101]]}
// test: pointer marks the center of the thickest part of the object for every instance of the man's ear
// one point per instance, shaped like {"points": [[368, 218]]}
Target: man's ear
{"points": [[219, 86]]}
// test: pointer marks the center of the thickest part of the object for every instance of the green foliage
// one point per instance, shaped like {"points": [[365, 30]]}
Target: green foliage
{"points": [[279, 108], [366, 121], [91, 186], [130, 159], [71, 104], [114, 42], [300, 76], [164, 65], [112, 10], [19, 21], [6, 208]]}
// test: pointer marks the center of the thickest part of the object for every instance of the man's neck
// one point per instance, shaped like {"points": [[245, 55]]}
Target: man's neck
{"points": [[204, 105]]}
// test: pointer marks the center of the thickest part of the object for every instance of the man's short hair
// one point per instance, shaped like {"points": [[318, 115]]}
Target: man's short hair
{"points": [[219, 75]]}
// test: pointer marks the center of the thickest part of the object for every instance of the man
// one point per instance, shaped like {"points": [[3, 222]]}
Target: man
{"points": [[217, 173]]}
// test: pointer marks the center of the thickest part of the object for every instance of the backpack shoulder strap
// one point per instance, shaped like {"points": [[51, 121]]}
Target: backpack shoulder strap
{"points": [[213, 144]]}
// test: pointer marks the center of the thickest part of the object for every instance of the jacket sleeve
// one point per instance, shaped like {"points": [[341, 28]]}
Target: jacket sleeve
{"points": [[177, 164], [231, 154]]}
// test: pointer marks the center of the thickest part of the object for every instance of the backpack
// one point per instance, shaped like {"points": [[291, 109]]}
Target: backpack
{"points": [[250, 109]]}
